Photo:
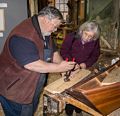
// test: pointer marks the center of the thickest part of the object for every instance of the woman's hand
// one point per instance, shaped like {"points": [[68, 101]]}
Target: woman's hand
{"points": [[83, 65]]}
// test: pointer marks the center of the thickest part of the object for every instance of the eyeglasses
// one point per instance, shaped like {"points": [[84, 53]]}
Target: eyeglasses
{"points": [[55, 23], [55, 26], [88, 35]]}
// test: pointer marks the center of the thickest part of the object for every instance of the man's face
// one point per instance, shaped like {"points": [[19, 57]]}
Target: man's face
{"points": [[51, 25], [87, 36]]}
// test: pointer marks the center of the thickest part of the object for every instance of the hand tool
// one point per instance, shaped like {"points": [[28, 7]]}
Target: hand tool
{"points": [[67, 75]]}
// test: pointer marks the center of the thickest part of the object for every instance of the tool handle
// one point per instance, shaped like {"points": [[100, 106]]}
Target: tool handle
{"points": [[66, 59], [73, 59], [69, 72]]}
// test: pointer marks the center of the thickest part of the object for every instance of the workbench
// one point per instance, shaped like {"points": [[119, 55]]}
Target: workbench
{"points": [[86, 90]]}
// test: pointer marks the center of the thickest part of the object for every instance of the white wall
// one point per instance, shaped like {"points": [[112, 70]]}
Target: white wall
{"points": [[15, 12]]}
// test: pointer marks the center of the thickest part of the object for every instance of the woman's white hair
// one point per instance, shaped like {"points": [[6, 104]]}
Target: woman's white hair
{"points": [[90, 26]]}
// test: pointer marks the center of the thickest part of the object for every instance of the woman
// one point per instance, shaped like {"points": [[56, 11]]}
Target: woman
{"points": [[84, 47]]}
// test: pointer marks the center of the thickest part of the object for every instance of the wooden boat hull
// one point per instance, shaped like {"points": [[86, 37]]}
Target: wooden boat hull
{"points": [[105, 97]]}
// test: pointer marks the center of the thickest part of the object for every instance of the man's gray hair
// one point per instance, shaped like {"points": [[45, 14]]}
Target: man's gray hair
{"points": [[51, 13], [90, 26]]}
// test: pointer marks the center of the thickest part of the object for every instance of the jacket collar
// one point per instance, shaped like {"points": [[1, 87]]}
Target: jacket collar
{"points": [[36, 25]]}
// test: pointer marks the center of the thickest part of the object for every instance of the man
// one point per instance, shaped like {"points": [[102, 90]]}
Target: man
{"points": [[84, 47], [28, 54]]}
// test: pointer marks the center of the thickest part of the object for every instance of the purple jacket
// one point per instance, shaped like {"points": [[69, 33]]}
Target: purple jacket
{"points": [[73, 48]]}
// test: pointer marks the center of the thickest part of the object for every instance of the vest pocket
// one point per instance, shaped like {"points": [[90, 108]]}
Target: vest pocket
{"points": [[13, 83]]}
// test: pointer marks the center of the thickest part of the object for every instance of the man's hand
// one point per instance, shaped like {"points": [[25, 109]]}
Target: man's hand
{"points": [[66, 66], [76, 69]]}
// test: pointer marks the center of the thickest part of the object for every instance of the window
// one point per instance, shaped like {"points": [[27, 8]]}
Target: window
{"points": [[62, 6]]}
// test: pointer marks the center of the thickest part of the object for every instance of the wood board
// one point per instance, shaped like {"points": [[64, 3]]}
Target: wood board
{"points": [[59, 85]]}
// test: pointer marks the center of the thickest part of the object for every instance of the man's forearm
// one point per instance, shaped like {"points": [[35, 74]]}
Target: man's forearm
{"points": [[45, 67]]}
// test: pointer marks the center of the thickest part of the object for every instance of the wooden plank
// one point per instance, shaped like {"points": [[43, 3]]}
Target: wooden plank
{"points": [[59, 85]]}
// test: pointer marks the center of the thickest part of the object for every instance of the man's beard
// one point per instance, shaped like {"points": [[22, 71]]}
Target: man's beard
{"points": [[46, 34]]}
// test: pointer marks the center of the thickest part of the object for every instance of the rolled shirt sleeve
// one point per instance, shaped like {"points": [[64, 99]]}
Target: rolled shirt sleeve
{"points": [[23, 50]]}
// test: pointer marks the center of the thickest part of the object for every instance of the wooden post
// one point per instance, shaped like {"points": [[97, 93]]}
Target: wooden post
{"points": [[116, 18], [32, 7]]}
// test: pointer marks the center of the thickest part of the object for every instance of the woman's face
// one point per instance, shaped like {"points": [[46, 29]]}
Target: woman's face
{"points": [[87, 36]]}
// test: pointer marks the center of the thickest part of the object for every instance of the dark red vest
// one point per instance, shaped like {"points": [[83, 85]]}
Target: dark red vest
{"points": [[17, 83]]}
